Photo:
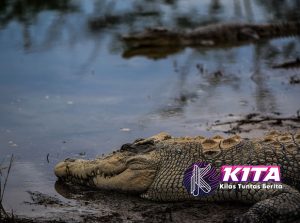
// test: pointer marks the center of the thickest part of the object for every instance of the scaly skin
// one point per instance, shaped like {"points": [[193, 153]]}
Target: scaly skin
{"points": [[212, 35], [154, 168]]}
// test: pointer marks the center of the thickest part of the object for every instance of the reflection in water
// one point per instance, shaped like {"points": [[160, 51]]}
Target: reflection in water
{"points": [[200, 86], [106, 16], [27, 10], [152, 52], [191, 92], [265, 101], [237, 8], [181, 93], [215, 6], [249, 10], [26, 13], [281, 10]]}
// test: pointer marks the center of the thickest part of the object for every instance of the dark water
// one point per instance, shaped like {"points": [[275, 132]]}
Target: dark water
{"points": [[66, 90]]}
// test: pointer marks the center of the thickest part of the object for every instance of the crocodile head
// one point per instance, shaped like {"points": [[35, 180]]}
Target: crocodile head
{"points": [[153, 37], [132, 168]]}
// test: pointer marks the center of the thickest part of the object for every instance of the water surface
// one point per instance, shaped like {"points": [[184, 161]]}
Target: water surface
{"points": [[66, 90]]}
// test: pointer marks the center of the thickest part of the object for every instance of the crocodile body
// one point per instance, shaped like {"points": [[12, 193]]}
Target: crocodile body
{"points": [[212, 35], [154, 169], [288, 65]]}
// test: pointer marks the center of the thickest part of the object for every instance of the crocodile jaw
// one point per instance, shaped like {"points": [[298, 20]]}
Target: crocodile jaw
{"points": [[132, 174]]}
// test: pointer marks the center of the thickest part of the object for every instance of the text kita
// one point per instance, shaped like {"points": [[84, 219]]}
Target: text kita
{"points": [[250, 173]]}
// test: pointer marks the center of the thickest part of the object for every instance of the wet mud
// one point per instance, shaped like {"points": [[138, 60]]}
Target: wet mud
{"points": [[99, 206]]}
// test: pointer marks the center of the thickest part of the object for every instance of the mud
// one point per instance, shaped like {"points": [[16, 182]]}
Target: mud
{"points": [[98, 206], [253, 123]]}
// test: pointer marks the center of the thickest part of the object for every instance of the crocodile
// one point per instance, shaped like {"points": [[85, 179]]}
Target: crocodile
{"points": [[156, 40], [213, 34], [288, 64], [153, 168]]}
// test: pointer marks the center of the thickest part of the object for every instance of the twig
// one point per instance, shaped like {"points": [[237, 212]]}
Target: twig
{"points": [[254, 121], [12, 217], [2, 210], [0, 203], [5, 181]]}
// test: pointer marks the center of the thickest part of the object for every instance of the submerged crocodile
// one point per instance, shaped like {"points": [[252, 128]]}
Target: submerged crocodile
{"points": [[156, 40], [214, 34], [154, 169], [288, 64]]}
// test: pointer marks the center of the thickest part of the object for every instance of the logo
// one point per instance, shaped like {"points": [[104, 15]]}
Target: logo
{"points": [[201, 179], [250, 173]]}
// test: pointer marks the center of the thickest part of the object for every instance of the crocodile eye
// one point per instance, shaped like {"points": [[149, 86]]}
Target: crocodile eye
{"points": [[138, 140], [70, 160], [140, 147], [126, 147]]}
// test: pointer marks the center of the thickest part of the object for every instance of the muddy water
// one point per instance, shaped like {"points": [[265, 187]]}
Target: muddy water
{"points": [[67, 91]]}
